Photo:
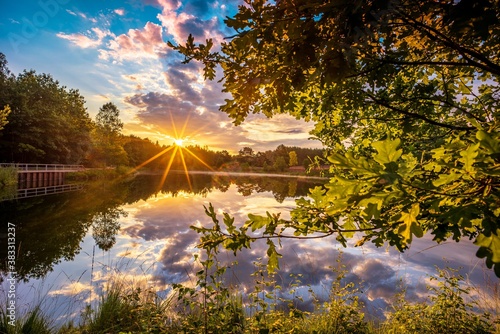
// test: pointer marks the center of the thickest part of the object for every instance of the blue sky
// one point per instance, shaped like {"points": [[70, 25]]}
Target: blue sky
{"points": [[115, 51]]}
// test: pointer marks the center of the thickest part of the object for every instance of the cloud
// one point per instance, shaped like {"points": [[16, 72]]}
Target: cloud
{"points": [[182, 21], [91, 39], [120, 11], [82, 15], [281, 129], [378, 273], [137, 44], [187, 99]]}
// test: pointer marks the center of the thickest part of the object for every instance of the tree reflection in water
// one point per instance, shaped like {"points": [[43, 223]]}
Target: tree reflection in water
{"points": [[59, 233], [105, 226], [50, 229]]}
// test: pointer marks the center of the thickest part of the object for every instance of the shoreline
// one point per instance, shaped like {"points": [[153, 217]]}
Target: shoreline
{"points": [[225, 173]]}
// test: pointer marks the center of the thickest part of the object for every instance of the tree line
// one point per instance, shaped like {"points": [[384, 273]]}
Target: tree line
{"points": [[44, 122]]}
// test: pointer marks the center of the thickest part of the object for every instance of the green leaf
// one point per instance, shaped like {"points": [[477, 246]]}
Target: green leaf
{"points": [[446, 179], [410, 224], [273, 255], [491, 144], [317, 194], [256, 222], [492, 242], [468, 157], [372, 211], [387, 151]]}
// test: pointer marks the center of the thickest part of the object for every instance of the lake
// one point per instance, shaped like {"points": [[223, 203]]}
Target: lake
{"points": [[69, 245]]}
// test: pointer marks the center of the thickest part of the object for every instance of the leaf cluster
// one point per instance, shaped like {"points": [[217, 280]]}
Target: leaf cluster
{"points": [[405, 94]]}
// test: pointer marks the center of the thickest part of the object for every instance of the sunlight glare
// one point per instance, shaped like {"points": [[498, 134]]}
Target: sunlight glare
{"points": [[179, 149], [179, 142]]}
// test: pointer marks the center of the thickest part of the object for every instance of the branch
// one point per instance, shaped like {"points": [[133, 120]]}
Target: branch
{"points": [[435, 34], [415, 115], [324, 235], [423, 62]]}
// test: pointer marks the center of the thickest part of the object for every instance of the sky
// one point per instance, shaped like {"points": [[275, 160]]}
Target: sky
{"points": [[116, 51]]}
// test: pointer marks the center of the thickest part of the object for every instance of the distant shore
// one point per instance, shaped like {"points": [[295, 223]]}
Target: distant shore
{"points": [[232, 173]]}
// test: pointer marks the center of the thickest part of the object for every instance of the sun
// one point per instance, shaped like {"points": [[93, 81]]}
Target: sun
{"points": [[178, 151], [179, 142]]}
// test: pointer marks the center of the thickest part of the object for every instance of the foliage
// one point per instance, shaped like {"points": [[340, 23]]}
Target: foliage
{"points": [[293, 161], [342, 313], [105, 226], [8, 182], [3, 116], [33, 322], [212, 307], [128, 309], [108, 119], [405, 95], [448, 311], [280, 164], [47, 122], [106, 138], [209, 306]]}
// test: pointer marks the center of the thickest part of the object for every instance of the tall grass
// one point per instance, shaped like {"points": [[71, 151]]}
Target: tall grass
{"points": [[208, 306], [34, 322], [126, 309]]}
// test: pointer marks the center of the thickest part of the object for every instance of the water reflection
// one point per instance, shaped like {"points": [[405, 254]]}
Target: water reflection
{"points": [[105, 226], [50, 229], [134, 222]]}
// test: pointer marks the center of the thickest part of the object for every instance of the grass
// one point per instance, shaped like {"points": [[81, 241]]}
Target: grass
{"points": [[209, 307], [34, 322]]}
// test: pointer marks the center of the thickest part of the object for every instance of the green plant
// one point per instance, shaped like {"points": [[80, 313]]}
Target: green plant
{"points": [[448, 311], [342, 313], [210, 307], [33, 322], [8, 183], [128, 308]]}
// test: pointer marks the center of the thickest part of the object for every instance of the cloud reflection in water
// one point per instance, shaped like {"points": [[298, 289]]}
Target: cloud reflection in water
{"points": [[380, 271]]}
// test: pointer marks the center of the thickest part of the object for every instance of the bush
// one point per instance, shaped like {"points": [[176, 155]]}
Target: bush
{"points": [[446, 312], [8, 183]]}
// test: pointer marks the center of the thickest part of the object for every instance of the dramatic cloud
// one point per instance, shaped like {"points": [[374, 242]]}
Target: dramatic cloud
{"points": [[137, 44], [159, 95]]}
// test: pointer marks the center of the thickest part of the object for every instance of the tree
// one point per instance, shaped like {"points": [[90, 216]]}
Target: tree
{"points": [[280, 164], [3, 116], [47, 123], [108, 119], [404, 93], [293, 159], [108, 146]]}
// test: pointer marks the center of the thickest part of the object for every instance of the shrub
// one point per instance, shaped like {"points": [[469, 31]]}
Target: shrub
{"points": [[447, 311]]}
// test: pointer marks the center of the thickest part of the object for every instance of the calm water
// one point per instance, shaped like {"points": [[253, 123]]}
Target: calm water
{"points": [[70, 244]]}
